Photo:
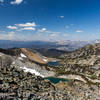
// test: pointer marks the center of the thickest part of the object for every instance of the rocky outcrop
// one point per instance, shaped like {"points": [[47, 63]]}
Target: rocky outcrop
{"points": [[84, 62], [80, 91], [23, 62], [15, 84], [12, 52], [37, 69], [30, 54]]}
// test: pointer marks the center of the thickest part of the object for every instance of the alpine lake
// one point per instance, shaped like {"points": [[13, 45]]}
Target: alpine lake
{"points": [[54, 79]]}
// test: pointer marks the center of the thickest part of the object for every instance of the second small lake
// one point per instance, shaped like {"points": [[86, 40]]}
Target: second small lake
{"points": [[57, 80], [54, 63]]}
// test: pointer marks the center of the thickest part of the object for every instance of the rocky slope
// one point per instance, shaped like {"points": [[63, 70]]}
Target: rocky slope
{"points": [[84, 62], [26, 53], [15, 84], [27, 60], [22, 75]]}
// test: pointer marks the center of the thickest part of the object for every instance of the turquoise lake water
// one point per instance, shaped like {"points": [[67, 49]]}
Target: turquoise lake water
{"points": [[56, 63], [57, 80]]}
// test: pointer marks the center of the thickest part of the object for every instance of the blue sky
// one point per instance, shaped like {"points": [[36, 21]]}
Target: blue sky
{"points": [[49, 20]]}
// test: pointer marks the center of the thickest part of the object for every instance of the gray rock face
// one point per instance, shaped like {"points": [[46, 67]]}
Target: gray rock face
{"points": [[85, 62], [33, 66], [23, 62], [5, 60]]}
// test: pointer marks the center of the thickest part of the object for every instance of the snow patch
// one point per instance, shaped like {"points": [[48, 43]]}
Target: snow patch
{"points": [[1, 54], [77, 78], [22, 55], [20, 58], [13, 62], [32, 71], [45, 60]]}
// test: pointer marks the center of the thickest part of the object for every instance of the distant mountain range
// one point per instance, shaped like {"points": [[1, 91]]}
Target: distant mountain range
{"points": [[22, 44], [67, 45]]}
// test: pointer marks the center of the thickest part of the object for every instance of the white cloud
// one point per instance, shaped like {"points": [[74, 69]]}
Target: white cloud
{"points": [[16, 36], [1, 0], [65, 34], [61, 16], [16, 2], [11, 34], [26, 24], [47, 31], [53, 32], [42, 30], [79, 31], [53, 35], [8, 36], [28, 28], [12, 27]]}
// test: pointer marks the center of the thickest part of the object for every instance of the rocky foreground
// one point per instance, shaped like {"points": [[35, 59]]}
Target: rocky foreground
{"points": [[18, 85]]}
